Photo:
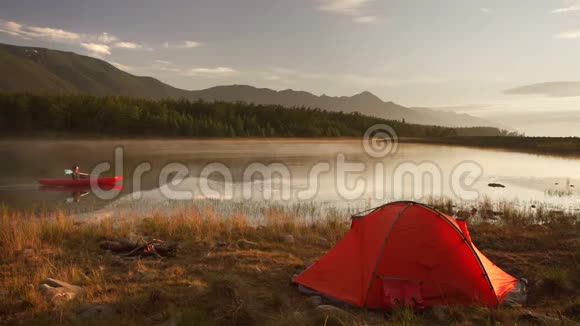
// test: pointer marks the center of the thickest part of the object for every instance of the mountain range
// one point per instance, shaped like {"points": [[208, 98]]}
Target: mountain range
{"points": [[45, 71]]}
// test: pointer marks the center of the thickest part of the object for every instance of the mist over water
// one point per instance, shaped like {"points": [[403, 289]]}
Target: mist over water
{"points": [[528, 178]]}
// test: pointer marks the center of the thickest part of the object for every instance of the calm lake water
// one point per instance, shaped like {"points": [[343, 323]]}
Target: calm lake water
{"points": [[313, 173]]}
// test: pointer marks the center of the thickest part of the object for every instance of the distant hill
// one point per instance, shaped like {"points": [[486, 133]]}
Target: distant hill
{"points": [[44, 71], [365, 103]]}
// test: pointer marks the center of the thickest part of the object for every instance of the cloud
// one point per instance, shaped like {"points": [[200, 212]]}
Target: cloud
{"points": [[106, 38], [365, 19], [28, 32], [97, 49], [127, 45], [12, 28], [551, 89], [353, 8], [97, 44], [52, 33], [182, 45], [343, 7], [191, 44], [569, 35], [563, 10], [210, 72], [163, 62], [486, 11]]}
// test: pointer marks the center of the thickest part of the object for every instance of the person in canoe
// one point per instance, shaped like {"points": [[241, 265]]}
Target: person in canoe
{"points": [[77, 174]]}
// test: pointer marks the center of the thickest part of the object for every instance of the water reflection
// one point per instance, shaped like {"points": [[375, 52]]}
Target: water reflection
{"points": [[526, 177], [76, 193]]}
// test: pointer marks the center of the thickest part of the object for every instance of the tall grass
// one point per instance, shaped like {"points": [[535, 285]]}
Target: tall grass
{"points": [[33, 247], [507, 212], [61, 246]]}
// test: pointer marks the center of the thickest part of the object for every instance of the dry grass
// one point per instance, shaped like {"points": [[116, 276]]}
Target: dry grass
{"points": [[244, 280], [507, 212]]}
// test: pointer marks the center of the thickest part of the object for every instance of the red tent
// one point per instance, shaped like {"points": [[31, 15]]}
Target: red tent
{"points": [[404, 251]]}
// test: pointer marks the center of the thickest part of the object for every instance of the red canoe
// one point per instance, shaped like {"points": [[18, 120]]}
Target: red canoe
{"points": [[80, 182]]}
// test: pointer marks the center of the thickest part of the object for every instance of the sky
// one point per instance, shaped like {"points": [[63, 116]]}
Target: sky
{"points": [[447, 54]]}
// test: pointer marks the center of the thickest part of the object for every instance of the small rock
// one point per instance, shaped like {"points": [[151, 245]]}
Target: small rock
{"points": [[100, 311], [495, 185], [245, 244], [533, 206], [315, 300], [58, 292], [289, 238]]}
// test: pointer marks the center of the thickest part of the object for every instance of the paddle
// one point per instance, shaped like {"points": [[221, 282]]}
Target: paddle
{"points": [[70, 172]]}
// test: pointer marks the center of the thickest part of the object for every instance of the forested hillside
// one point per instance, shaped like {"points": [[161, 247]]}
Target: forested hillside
{"points": [[122, 116], [51, 72]]}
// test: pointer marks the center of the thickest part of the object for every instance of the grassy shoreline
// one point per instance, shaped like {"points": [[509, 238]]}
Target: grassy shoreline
{"points": [[230, 272]]}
